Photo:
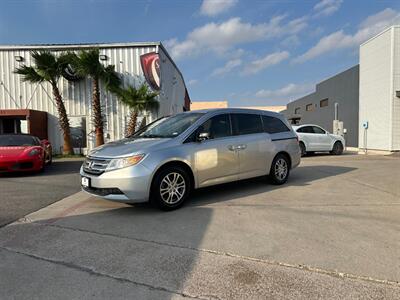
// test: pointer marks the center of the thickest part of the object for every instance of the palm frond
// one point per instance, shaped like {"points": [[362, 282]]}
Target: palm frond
{"points": [[88, 63], [29, 74], [128, 96], [148, 98], [47, 65], [110, 78], [140, 99], [66, 58], [44, 59]]}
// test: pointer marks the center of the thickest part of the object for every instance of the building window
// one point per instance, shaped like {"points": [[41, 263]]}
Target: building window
{"points": [[297, 110], [309, 107], [323, 103]]}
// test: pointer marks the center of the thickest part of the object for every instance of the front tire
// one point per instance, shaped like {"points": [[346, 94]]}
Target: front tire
{"points": [[49, 159], [170, 188], [42, 167], [280, 169], [337, 148]]}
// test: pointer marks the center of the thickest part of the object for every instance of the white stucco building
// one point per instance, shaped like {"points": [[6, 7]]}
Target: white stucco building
{"points": [[135, 62], [379, 103]]}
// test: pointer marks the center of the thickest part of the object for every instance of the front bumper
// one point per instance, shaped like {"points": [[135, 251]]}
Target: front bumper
{"points": [[21, 165], [128, 185]]}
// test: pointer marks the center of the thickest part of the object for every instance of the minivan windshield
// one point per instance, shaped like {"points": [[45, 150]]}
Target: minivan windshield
{"points": [[169, 127]]}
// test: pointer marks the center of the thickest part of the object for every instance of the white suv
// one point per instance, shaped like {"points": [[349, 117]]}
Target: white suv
{"points": [[313, 138]]}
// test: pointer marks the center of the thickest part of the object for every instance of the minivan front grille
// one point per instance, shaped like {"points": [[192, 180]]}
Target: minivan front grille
{"points": [[103, 191], [95, 166]]}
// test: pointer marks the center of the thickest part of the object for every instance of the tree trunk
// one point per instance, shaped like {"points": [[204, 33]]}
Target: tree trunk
{"points": [[143, 122], [63, 120], [132, 123], [97, 117]]}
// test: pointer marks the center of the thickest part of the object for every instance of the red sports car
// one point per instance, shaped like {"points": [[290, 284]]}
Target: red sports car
{"points": [[23, 152]]}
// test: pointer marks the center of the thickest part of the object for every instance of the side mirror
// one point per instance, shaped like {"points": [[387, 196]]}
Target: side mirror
{"points": [[202, 136], [45, 143]]}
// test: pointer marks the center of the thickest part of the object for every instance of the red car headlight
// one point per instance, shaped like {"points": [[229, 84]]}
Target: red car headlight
{"points": [[34, 152]]}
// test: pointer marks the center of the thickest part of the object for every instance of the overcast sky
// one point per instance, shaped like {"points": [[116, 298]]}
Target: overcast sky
{"points": [[247, 52]]}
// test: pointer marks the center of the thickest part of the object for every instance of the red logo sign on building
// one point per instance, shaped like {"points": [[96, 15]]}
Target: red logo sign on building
{"points": [[151, 69]]}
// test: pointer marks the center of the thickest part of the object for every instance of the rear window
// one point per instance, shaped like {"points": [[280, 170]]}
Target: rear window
{"points": [[274, 125], [306, 129], [318, 130], [246, 124]]}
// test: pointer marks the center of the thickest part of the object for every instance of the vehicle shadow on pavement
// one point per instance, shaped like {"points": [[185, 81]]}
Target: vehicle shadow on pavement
{"points": [[63, 167], [327, 154], [56, 168], [139, 252], [301, 176]]}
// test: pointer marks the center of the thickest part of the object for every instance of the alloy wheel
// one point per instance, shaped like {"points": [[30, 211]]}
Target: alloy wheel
{"points": [[172, 188], [281, 169]]}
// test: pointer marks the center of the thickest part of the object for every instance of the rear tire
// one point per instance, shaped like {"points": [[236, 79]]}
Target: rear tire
{"points": [[280, 169], [337, 148], [170, 188], [303, 149]]}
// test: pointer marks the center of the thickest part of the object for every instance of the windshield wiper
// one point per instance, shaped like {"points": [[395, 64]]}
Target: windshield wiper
{"points": [[151, 136]]}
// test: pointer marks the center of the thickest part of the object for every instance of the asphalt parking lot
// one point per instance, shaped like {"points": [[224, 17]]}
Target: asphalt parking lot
{"points": [[332, 232], [23, 193]]}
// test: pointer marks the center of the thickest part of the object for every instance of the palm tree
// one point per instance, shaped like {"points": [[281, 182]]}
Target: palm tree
{"points": [[48, 67], [138, 100], [87, 64]]}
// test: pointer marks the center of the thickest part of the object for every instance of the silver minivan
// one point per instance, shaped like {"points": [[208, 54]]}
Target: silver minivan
{"points": [[163, 162]]}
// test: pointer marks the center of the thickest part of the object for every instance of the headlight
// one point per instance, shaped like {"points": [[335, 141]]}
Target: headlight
{"points": [[120, 163], [34, 152]]}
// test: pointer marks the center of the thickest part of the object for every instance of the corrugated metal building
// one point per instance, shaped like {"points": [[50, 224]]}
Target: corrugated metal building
{"points": [[379, 127], [136, 62]]}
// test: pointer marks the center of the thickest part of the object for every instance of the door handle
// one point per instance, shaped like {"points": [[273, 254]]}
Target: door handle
{"points": [[238, 147], [232, 148]]}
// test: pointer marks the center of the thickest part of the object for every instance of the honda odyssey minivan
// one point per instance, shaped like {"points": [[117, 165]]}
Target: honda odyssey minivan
{"points": [[163, 162]]}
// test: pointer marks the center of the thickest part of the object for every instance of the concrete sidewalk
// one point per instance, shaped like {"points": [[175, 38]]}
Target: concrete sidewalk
{"points": [[331, 233]]}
